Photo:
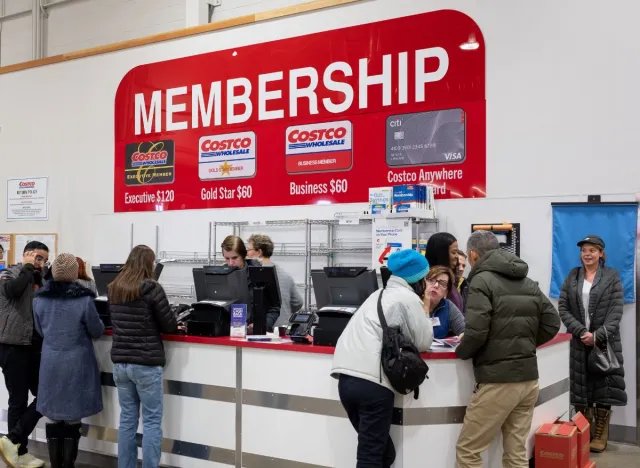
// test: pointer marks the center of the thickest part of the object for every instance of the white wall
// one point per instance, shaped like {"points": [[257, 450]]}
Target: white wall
{"points": [[84, 24], [561, 118], [88, 23]]}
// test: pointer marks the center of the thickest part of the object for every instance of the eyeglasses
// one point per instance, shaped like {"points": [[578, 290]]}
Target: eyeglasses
{"points": [[441, 283], [41, 259]]}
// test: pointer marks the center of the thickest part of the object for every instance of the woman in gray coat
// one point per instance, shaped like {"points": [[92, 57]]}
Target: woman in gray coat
{"points": [[69, 389], [590, 306]]}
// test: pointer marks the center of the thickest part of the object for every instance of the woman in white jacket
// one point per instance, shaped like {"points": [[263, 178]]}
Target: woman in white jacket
{"points": [[365, 392]]}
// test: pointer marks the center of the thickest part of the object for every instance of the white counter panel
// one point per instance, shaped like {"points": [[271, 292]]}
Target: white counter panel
{"points": [[299, 437], [305, 374]]}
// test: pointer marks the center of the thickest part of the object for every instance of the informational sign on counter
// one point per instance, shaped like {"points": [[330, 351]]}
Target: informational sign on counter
{"points": [[27, 199], [238, 321], [319, 118]]}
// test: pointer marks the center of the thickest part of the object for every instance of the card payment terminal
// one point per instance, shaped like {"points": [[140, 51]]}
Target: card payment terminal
{"points": [[299, 327]]}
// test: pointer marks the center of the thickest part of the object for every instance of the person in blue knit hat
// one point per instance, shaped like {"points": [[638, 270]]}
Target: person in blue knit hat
{"points": [[365, 392]]}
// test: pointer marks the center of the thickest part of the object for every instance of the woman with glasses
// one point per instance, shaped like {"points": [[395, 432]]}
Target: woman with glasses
{"points": [[446, 318], [442, 250]]}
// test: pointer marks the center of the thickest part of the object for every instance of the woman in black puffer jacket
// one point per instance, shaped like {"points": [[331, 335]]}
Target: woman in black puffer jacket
{"points": [[139, 311], [590, 306]]}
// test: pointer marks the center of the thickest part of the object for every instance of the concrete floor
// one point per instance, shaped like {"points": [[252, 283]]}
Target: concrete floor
{"points": [[616, 456]]}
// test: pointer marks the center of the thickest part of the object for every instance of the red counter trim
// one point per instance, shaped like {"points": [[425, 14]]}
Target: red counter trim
{"points": [[227, 341]]}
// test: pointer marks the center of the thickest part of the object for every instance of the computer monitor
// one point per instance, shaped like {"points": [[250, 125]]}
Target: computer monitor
{"points": [[266, 294], [385, 274], [104, 275], [221, 283], [217, 289], [107, 272], [343, 286]]}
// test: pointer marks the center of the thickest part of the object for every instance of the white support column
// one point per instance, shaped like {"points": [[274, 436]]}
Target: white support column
{"points": [[196, 13]]}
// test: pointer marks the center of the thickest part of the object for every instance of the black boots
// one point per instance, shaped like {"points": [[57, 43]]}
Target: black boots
{"points": [[55, 442], [63, 440]]}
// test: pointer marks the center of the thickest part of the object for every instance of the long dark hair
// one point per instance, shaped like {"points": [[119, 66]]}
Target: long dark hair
{"points": [[438, 249], [139, 267]]}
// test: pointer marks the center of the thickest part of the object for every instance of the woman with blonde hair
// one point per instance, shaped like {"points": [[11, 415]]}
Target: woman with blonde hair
{"points": [[446, 318], [140, 311]]}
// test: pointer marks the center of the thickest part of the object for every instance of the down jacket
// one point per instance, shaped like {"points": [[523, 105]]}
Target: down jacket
{"points": [[605, 311], [358, 350], [137, 326], [508, 317]]}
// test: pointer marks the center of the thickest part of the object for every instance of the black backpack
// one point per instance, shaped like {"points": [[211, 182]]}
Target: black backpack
{"points": [[400, 359]]}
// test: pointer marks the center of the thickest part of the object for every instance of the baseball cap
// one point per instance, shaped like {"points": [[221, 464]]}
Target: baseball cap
{"points": [[592, 239]]}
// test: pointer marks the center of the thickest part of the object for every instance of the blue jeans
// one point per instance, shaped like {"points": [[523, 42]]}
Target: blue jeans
{"points": [[139, 385]]}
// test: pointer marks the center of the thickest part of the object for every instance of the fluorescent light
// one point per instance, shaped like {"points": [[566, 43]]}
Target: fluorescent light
{"points": [[471, 43]]}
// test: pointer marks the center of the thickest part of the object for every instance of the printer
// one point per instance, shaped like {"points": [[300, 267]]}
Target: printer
{"points": [[217, 289], [339, 292]]}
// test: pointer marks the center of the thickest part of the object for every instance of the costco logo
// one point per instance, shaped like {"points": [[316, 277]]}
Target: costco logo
{"points": [[229, 156], [322, 147], [30, 184], [152, 158]]}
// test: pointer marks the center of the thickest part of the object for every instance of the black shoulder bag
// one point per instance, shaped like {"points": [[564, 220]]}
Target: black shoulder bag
{"points": [[400, 359]]}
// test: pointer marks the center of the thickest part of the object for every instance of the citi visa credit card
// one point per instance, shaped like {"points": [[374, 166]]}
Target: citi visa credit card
{"points": [[422, 138]]}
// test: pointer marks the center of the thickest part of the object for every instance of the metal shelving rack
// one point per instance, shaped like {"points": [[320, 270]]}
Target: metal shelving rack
{"points": [[307, 249]]}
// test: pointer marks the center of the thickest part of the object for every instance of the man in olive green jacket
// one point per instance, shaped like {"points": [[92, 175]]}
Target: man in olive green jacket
{"points": [[507, 318]]}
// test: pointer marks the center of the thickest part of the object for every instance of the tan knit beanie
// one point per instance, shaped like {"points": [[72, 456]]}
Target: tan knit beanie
{"points": [[65, 268]]}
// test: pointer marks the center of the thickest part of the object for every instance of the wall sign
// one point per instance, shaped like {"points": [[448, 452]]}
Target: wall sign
{"points": [[316, 118], [27, 199]]}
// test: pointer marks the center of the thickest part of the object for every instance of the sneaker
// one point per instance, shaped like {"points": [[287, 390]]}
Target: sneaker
{"points": [[9, 453], [29, 461]]}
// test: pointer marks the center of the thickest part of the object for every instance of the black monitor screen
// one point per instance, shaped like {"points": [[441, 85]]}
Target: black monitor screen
{"points": [[266, 276], [107, 272], [221, 283], [343, 286], [385, 274]]}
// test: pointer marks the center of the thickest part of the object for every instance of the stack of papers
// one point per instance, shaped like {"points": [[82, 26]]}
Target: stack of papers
{"points": [[447, 344]]}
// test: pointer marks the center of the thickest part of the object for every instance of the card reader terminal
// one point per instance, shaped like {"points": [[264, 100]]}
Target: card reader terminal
{"points": [[299, 327]]}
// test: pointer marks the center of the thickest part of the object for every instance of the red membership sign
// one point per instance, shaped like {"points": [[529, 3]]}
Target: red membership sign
{"points": [[313, 119]]}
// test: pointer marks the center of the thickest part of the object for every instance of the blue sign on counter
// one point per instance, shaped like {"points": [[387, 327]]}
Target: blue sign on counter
{"points": [[239, 320]]}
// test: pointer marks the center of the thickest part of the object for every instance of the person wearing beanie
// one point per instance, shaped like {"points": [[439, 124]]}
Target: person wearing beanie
{"points": [[66, 318], [365, 392]]}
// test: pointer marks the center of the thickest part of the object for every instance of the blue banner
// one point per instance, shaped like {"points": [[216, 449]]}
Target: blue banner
{"points": [[616, 224]]}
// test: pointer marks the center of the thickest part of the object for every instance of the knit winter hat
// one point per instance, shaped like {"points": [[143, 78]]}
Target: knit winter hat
{"points": [[65, 268], [409, 265]]}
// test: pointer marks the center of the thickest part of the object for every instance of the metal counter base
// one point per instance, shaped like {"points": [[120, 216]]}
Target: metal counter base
{"points": [[251, 407]]}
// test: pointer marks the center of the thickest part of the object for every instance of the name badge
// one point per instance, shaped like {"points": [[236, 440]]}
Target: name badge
{"points": [[435, 321]]}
